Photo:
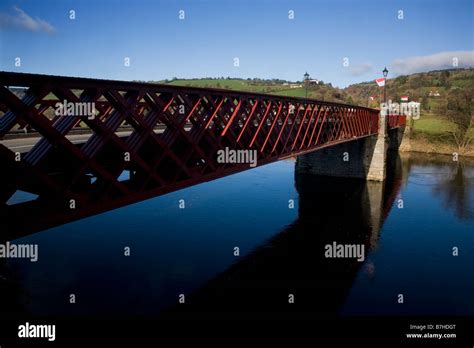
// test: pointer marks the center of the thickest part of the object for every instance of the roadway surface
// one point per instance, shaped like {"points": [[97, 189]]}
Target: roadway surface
{"points": [[26, 144]]}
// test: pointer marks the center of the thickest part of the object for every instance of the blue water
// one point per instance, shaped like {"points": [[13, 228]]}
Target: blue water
{"points": [[415, 252], [174, 250], [171, 249]]}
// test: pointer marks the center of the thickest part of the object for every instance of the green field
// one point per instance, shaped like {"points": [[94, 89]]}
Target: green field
{"points": [[436, 130], [432, 124], [242, 85]]}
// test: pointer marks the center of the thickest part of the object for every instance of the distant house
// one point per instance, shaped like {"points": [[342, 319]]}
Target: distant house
{"points": [[313, 82], [434, 94], [404, 98]]}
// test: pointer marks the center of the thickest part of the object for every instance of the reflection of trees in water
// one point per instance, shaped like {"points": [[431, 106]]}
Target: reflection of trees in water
{"points": [[456, 191]]}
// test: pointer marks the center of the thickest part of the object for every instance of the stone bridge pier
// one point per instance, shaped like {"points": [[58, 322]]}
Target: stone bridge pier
{"points": [[364, 158]]}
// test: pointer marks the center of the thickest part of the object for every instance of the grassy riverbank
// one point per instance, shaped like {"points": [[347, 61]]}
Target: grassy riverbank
{"points": [[433, 134], [421, 143]]}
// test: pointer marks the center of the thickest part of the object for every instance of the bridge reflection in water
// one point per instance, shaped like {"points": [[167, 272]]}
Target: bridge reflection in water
{"points": [[346, 211], [291, 262]]}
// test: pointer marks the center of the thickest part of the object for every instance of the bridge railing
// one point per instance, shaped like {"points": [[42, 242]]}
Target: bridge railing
{"points": [[174, 139], [395, 121]]}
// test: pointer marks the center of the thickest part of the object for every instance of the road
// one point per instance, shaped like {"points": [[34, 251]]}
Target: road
{"points": [[26, 144]]}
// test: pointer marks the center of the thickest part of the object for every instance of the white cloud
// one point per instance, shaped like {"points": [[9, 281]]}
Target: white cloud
{"points": [[24, 21], [360, 69], [437, 61]]}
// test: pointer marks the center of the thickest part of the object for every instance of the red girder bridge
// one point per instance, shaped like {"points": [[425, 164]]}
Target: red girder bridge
{"points": [[148, 139]]}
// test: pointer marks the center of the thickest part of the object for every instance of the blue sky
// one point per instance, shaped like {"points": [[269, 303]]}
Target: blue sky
{"points": [[258, 32]]}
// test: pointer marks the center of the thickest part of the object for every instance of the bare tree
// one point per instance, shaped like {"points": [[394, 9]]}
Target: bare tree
{"points": [[458, 109]]}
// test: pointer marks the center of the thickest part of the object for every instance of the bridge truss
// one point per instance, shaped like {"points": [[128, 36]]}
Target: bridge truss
{"points": [[175, 135]]}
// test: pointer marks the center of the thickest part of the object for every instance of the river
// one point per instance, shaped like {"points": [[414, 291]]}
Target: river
{"points": [[247, 242]]}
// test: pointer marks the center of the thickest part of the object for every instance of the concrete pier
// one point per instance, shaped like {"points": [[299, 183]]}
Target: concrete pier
{"points": [[378, 163], [364, 158]]}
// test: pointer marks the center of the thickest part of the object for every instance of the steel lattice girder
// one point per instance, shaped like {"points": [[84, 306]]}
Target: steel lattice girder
{"points": [[176, 133]]}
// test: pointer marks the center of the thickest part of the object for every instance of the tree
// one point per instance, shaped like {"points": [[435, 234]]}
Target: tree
{"points": [[458, 109], [444, 79], [401, 80], [425, 103]]}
